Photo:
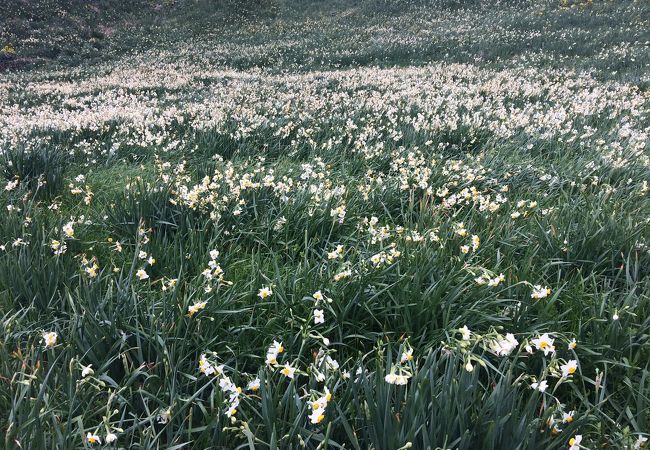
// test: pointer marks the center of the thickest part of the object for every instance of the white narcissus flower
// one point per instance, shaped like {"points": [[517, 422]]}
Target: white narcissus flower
{"points": [[574, 442], [392, 378], [494, 282], [68, 229], [206, 368], [337, 253], [11, 185], [49, 339], [317, 415], [465, 332], [544, 343], [319, 316], [87, 370], [288, 371], [92, 438], [569, 368], [253, 385], [110, 438], [540, 292], [193, 309], [272, 353], [504, 347], [407, 356], [142, 274], [264, 293], [541, 386], [232, 410]]}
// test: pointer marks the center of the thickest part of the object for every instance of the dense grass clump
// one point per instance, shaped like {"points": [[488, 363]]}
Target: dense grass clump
{"points": [[285, 225]]}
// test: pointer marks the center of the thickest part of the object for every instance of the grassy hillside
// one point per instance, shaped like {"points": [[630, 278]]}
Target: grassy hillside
{"points": [[73, 32], [608, 38], [372, 224]]}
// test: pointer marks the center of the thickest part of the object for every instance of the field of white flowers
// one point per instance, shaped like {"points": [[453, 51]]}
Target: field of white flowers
{"points": [[384, 226]]}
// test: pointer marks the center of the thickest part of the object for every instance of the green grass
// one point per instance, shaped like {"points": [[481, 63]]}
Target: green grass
{"points": [[425, 165]]}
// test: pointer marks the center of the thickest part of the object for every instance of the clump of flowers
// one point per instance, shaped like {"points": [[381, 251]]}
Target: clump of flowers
{"points": [[540, 292], [401, 372], [318, 406], [273, 352], [230, 390]]}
